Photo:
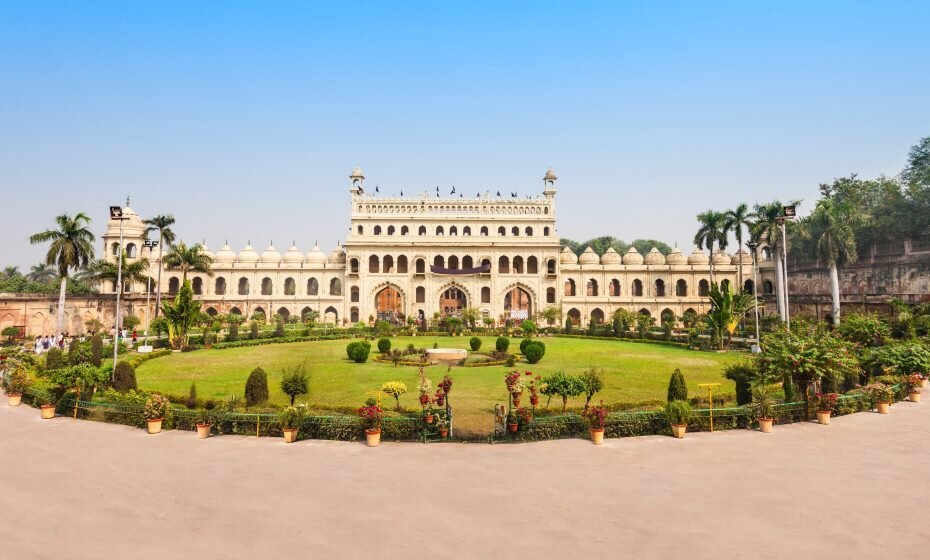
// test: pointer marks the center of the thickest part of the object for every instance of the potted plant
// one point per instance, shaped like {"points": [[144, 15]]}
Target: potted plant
{"points": [[924, 381], [825, 404], [597, 419], [428, 414], [156, 407], [425, 387], [15, 382], [881, 396], [763, 394], [442, 424], [290, 419], [371, 415], [678, 413], [205, 423], [913, 387], [47, 410], [440, 397], [534, 391], [515, 387], [513, 421]]}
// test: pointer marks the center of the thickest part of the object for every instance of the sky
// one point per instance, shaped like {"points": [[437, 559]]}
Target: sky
{"points": [[244, 119]]}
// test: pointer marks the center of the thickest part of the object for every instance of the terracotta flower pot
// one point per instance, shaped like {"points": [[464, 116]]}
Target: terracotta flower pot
{"points": [[203, 430], [516, 403], [429, 418], [443, 433], [924, 383], [883, 407], [424, 399], [373, 437], [47, 411], [14, 400], [290, 435], [154, 425], [765, 425], [534, 401], [823, 417], [597, 435], [513, 427], [914, 397], [440, 402], [679, 430]]}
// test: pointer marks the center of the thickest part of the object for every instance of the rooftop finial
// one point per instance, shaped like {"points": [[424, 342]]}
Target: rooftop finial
{"points": [[127, 200]]}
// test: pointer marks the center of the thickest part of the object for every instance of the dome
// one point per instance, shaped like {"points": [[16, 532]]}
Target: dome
{"points": [[697, 257], [676, 257], [568, 257], [357, 173], [316, 257], [550, 176], [247, 255], [338, 256], [293, 255], [589, 257], [720, 257], [743, 256], [632, 256], [270, 255], [654, 257], [205, 250], [225, 255], [610, 257]]}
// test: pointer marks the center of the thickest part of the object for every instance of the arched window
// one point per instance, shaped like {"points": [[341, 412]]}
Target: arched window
{"points": [[466, 230], [597, 317], [422, 230], [389, 264], [767, 287], [197, 286], [374, 264], [404, 230], [528, 231], [440, 230], [749, 287], [703, 288], [290, 287], [484, 231], [212, 312], [353, 315], [766, 254], [501, 231], [114, 249], [219, 287], [503, 265], [284, 313], [637, 290], [377, 230], [361, 230], [267, 286], [353, 294], [574, 316], [439, 261], [335, 287], [421, 266], [305, 314], [391, 230], [569, 287], [550, 266], [258, 314], [725, 286], [173, 285], [645, 312], [402, 264], [243, 287], [235, 311], [515, 231], [131, 251], [550, 295], [485, 295], [660, 288], [518, 265], [486, 263], [421, 294], [453, 230], [453, 263], [532, 265], [668, 316], [591, 287], [546, 231], [467, 262], [614, 289], [313, 287], [353, 266], [681, 288]]}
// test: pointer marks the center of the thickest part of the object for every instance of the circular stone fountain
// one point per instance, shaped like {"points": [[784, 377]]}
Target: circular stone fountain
{"points": [[436, 355]]}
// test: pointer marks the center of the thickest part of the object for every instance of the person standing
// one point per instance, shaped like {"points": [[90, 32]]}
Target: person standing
{"points": [[38, 346]]}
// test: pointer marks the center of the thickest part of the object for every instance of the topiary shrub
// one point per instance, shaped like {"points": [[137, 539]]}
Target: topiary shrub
{"points": [[233, 334], [568, 325], [741, 374], [53, 359], [279, 329], [502, 343], [534, 351], [96, 350], [358, 351], [677, 390], [191, 402], [475, 343], [124, 377], [253, 330], [256, 388], [384, 345], [523, 344]]}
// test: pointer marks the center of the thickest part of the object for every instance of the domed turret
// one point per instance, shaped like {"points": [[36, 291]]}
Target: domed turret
{"points": [[676, 257], [271, 256], [589, 257], [206, 251], [316, 257], [632, 256], [225, 255], [697, 256], [721, 257], [338, 256], [742, 257], [610, 257], [568, 257], [654, 257], [247, 255], [293, 257]]}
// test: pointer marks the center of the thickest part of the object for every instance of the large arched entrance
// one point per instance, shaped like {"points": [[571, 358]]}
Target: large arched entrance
{"points": [[517, 304], [452, 301], [389, 304]]}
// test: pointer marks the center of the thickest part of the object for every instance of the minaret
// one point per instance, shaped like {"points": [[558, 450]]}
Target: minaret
{"points": [[549, 183], [357, 182]]}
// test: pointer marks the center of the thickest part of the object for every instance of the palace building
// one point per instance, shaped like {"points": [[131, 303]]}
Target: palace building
{"points": [[414, 257]]}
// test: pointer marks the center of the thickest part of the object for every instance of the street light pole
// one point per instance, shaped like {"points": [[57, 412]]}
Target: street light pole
{"points": [[148, 290], [755, 296], [789, 213], [116, 213]]}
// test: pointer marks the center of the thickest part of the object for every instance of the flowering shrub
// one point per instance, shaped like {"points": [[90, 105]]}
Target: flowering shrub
{"points": [[825, 402], [808, 352], [424, 385], [446, 384], [514, 384], [291, 416], [156, 406], [371, 415], [596, 416], [524, 416], [913, 383], [879, 393], [534, 387]]}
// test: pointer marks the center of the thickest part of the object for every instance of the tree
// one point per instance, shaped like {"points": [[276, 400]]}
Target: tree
{"points": [[96, 350], [132, 272], [162, 224], [10, 272], [766, 227], [71, 248], [562, 385], [677, 389], [646, 245], [189, 259], [727, 310], [256, 388], [552, 314], [534, 351], [124, 377], [593, 381], [834, 244], [394, 389], [131, 322], [471, 315], [181, 315], [295, 382], [736, 220], [712, 232], [42, 272], [742, 375]]}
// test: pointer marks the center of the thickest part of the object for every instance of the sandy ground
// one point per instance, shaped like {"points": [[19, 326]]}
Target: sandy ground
{"points": [[854, 489]]}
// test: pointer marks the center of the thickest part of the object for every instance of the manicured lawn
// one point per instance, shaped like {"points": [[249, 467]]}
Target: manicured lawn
{"points": [[632, 371]]}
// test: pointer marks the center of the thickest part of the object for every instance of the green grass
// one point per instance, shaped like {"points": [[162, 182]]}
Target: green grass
{"points": [[632, 371]]}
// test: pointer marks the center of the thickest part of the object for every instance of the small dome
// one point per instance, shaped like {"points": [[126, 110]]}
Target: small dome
{"points": [[610, 257], [225, 255], [338, 256], [632, 256], [271, 255], [698, 257], [550, 176], [568, 257], [589, 257], [720, 257], [316, 257], [248, 255], [743, 256], [357, 173], [676, 257], [205, 250], [293, 255], [654, 257]]}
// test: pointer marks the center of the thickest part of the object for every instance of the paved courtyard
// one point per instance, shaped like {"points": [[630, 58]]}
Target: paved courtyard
{"points": [[855, 489]]}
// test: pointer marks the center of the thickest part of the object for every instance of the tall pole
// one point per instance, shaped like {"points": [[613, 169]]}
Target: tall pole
{"points": [[755, 294], [119, 291], [784, 253]]}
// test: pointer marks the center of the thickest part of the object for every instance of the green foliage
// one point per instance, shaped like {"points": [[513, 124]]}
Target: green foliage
{"points": [[279, 329], [159, 326], [763, 395], [394, 389], [156, 406], [529, 328], [677, 389], [96, 350], [295, 382], [789, 388], [568, 325], [79, 353], [192, 397], [83, 376], [562, 385], [534, 351], [233, 334], [742, 375], [727, 310], [358, 351], [10, 332], [256, 388], [130, 322], [593, 380], [383, 328], [53, 359], [181, 315], [384, 345], [290, 417], [808, 352], [124, 377], [474, 343], [502, 343], [904, 357], [253, 330], [678, 412]]}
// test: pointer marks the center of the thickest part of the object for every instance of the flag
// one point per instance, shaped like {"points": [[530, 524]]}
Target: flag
{"points": [[376, 189], [453, 189]]}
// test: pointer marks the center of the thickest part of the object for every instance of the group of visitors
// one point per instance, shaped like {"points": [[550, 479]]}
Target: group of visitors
{"points": [[62, 341]]}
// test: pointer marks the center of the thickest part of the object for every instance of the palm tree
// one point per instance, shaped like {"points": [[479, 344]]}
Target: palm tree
{"points": [[766, 225], [72, 248], [41, 272], [736, 220], [189, 259], [727, 310], [712, 232], [132, 272], [162, 224], [833, 243], [10, 272]]}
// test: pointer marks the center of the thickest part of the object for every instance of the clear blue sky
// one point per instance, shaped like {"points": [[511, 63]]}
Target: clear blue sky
{"points": [[244, 118]]}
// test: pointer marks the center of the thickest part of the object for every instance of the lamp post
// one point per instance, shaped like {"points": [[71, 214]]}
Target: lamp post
{"points": [[116, 213], [789, 214], [148, 288], [755, 296]]}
